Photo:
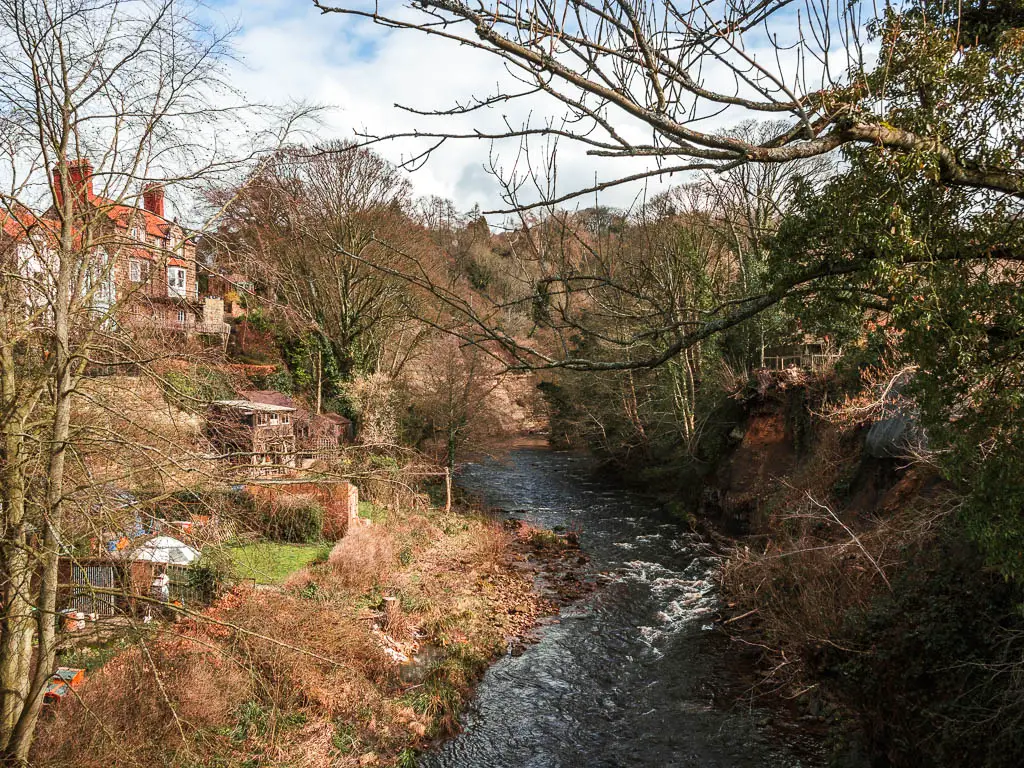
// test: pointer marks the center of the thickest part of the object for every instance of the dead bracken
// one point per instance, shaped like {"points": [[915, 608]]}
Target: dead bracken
{"points": [[352, 662]]}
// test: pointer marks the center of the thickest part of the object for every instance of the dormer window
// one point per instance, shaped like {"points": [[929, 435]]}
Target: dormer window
{"points": [[176, 278]]}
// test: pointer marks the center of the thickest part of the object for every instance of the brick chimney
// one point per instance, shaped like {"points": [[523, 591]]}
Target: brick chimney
{"points": [[153, 199], [79, 174]]}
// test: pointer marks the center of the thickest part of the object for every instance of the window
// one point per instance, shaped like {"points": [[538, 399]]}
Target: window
{"points": [[181, 317], [138, 271], [273, 418], [138, 234], [286, 419], [176, 281], [99, 281]]}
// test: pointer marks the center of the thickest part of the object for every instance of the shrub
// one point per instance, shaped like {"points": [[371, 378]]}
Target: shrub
{"points": [[362, 558], [280, 380], [211, 575], [252, 341], [278, 517], [370, 511], [938, 680], [296, 519]]}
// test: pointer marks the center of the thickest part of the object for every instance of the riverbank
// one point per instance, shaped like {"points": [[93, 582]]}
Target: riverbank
{"points": [[365, 659], [854, 593]]}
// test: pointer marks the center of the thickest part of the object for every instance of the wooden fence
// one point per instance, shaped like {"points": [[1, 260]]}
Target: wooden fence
{"points": [[812, 362]]}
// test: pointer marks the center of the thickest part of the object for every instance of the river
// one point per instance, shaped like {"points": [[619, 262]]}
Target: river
{"points": [[631, 675]]}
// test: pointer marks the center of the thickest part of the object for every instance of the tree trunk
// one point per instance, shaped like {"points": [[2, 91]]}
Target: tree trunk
{"points": [[16, 750], [18, 625], [319, 377], [453, 433]]}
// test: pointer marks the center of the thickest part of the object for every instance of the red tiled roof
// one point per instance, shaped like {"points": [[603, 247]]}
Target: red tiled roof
{"points": [[124, 215], [121, 214], [16, 224]]}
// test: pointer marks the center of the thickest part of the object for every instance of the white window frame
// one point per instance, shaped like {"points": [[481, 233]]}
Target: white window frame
{"points": [[100, 281], [138, 270], [177, 282]]}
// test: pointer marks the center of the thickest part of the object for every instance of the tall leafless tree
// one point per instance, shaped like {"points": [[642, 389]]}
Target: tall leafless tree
{"points": [[137, 88], [305, 223]]}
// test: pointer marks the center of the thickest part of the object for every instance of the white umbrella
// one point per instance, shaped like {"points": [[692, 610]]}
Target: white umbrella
{"points": [[165, 549]]}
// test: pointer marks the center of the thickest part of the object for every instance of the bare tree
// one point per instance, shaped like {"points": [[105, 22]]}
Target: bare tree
{"points": [[453, 397], [305, 224], [920, 88], [619, 69], [100, 100]]}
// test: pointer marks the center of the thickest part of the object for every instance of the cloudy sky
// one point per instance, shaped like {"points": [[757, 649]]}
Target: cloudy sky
{"points": [[290, 51]]}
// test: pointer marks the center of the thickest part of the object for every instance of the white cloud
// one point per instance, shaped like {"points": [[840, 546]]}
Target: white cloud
{"points": [[290, 51]]}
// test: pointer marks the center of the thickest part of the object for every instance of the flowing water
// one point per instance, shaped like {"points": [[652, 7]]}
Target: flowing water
{"points": [[632, 674]]}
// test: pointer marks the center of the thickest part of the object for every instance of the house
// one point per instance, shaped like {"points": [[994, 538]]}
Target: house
{"points": [[142, 264], [259, 435], [21, 236], [317, 435], [232, 288]]}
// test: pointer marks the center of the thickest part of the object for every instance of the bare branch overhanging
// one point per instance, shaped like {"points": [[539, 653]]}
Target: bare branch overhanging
{"points": [[666, 67]]}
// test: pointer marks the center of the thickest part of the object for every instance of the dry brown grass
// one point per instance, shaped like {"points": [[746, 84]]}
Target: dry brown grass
{"points": [[300, 676], [363, 558], [821, 561], [397, 623], [491, 545], [148, 703]]}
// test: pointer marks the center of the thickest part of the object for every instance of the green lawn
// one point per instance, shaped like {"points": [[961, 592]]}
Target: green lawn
{"points": [[369, 511], [270, 563]]}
